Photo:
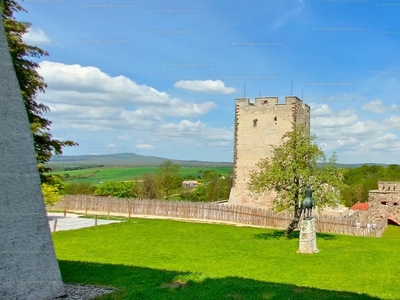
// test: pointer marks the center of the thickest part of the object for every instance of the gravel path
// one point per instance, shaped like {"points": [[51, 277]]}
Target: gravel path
{"points": [[72, 221], [84, 291]]}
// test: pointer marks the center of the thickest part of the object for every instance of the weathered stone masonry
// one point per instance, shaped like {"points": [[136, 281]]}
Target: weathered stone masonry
{"points": [[258, 127], [385, 201]]}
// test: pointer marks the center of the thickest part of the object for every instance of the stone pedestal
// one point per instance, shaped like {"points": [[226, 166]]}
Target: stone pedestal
{"points": [[28, 265], [307, 239]]}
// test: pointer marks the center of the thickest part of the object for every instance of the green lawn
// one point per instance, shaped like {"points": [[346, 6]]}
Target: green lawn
{"points": [[96, 175], [142, 256]]}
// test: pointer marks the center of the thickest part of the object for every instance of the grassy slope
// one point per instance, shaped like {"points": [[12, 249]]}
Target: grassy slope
{"points": [[124, 173], [140, 255]]}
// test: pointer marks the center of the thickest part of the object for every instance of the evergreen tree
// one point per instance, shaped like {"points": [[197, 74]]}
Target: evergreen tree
{"points": [[31, 83]]}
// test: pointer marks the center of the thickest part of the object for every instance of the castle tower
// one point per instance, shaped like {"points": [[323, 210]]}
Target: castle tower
{"points": [[258, 127]]}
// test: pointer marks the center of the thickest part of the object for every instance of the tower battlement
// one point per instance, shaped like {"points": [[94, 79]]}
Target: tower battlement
{"points": [[259, 126], [270, 101]]}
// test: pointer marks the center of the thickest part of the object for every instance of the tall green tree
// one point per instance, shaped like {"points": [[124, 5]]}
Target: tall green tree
{"points": [[168, 177], [149, 187], [31, 83], [217, 187], [292, 168]]}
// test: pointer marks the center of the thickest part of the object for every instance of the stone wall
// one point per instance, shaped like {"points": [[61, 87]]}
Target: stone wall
{"points": [[388, 186], [385, 201], [258, 127]]}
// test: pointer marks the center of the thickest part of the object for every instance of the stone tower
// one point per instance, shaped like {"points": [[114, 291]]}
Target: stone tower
{"points": [[258, 127]]}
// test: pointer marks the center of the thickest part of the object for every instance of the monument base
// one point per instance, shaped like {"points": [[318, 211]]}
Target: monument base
{"points": [[307, 238]]}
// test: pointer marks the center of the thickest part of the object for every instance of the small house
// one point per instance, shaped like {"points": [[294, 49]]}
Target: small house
{"points": [[190, 183]]}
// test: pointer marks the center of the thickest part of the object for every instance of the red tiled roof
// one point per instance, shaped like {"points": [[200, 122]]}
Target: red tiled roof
{"points": [[360, 206]]}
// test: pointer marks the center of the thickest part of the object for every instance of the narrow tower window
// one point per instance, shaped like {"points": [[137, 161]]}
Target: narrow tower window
{"points": [[275, 119], [255, 122]]}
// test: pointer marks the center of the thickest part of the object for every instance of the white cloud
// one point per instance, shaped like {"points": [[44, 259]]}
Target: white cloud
{"points": [[197, 131], [88, 99], [377, 106], [320, 110], [355, 140], [125, 137], [389, 137], [205, 86], [337, 120], [144, 146], [392, 122], [89, 86], [111, 145], [36, 36]]}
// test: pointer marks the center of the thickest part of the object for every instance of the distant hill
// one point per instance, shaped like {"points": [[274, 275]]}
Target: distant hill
{"points": [[135, 160], [127, 159], [351, 166]]}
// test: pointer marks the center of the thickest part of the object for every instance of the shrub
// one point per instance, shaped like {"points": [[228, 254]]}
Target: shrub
{"points": [[79, 189], [118, 189], [51, 193]]}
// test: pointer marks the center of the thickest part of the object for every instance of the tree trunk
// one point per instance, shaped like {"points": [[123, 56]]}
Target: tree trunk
{"points": [[293, 225]]}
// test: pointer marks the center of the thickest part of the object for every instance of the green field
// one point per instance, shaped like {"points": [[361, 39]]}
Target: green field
{"points": [[96, 175], [164, 259]]}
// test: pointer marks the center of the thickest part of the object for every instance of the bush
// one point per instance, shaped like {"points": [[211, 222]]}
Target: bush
{"points": [[79, 189], [118, 189], [215, 187], [50, 193], [149, 187], [199, 194]]}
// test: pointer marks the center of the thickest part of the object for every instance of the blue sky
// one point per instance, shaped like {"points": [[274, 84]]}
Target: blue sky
{"points": [[161, 78]]}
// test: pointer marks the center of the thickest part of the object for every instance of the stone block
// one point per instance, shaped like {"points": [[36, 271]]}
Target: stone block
{"points": [[307, 238]]}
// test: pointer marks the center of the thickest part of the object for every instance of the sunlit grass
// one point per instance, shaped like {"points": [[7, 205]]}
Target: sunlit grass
{"points": [[129, 173], [227, 262]]}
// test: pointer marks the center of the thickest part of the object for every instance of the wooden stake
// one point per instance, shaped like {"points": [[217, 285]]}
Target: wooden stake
{"points": [[55, 225]]}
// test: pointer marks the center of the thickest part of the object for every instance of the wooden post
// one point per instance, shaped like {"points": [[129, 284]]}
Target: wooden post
{"points": [[129, 215], [65, 212], [95, 220], [108, 214], [55, 225]]}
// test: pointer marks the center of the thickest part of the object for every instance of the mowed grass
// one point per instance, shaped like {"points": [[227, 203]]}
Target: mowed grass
{"points": [[96, 175], [141, 257]]}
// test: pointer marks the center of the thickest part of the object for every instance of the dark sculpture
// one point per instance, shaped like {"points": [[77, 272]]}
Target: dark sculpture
{"points": [[308, 203]]}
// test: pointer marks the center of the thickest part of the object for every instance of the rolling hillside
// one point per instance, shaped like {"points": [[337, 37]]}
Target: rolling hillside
{"points": [[127, 160], [135, 160]]}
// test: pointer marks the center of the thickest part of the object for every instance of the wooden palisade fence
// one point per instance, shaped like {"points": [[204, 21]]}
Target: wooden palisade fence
{"points": [[215, 212]]}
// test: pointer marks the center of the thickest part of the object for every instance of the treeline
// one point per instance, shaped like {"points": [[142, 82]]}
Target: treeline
{"points": [[365, 178], [68, 177], [165, 183], [58, 168]]}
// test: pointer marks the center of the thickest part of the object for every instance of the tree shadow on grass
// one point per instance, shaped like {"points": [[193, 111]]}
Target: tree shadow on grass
{"points": [[146, 283], [325, 236], [278, 234]]}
